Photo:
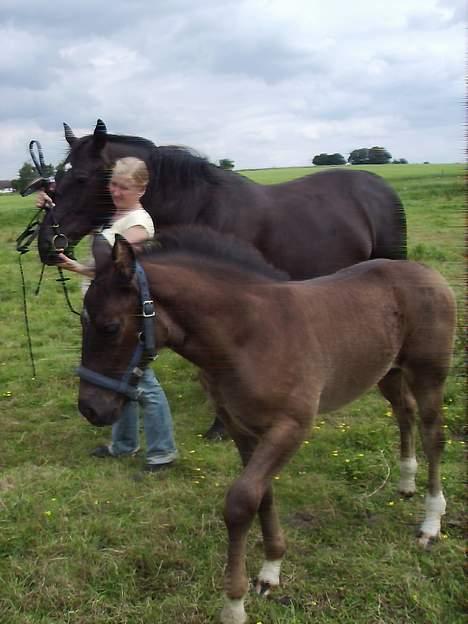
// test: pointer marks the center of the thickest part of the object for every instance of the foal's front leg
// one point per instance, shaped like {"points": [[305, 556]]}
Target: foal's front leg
{"points": [[274, 544], [245, 497]]}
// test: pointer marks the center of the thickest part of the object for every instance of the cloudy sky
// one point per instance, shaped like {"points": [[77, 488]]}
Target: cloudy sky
{"points": [[263, 82]]}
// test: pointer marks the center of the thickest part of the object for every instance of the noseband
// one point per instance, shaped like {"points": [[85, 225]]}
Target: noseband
{"points": [[145, 351]]}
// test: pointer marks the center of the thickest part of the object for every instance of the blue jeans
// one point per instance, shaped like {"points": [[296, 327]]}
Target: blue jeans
{"points": [[157, 420]]}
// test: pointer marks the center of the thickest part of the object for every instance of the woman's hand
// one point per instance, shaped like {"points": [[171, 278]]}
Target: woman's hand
{"points": [[42, 199], [64, 262]]}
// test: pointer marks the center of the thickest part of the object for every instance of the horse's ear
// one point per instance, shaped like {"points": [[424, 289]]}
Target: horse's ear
{"points": [[102, 252], [123, 257], [69, 134], [99, 135]]}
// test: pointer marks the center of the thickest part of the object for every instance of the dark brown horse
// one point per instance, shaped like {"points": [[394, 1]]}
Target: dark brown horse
{"points": [[308, 227], [275, 353]]}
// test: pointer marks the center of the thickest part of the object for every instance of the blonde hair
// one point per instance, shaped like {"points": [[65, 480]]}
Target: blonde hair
{"points": [[133, 168]]}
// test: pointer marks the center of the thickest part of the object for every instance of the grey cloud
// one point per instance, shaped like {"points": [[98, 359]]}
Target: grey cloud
{"points": [[241, 79]]}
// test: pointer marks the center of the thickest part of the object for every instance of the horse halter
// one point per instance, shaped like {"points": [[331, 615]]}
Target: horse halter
{"points": [[144, 352]]}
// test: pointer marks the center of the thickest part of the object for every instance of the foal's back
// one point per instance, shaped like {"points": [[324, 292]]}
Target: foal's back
{"points": [[362, 321]]}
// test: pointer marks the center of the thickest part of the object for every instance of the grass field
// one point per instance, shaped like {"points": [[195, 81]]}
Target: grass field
{"points": [[86, 541]]}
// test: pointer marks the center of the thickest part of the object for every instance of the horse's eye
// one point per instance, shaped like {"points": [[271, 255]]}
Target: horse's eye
{"points": [[111, 329]]}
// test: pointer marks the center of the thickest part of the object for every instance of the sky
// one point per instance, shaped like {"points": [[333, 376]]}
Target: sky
{"points": [[266, 83]]}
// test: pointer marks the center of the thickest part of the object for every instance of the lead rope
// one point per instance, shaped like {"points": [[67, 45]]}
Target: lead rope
{"points": [[63, 280], [26, 318]]}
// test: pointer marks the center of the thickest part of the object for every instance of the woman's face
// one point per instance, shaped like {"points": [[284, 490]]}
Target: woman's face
{"points": [[125, 193]]}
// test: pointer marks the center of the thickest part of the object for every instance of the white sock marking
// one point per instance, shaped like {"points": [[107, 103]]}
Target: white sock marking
{"points": [[408, 468], [435, 509], [270, 572], [233, 611]]}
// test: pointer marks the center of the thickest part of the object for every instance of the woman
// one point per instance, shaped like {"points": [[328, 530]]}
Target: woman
{"points": [[127, 186]]}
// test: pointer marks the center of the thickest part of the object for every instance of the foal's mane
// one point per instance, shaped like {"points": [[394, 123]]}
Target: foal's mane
{"points": [[204, 245]]}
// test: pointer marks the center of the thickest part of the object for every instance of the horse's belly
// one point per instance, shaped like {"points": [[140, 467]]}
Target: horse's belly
{"points": [[345, 387]]}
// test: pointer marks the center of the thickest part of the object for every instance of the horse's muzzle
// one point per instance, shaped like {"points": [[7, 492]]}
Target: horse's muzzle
{"points": [[98, 419]]}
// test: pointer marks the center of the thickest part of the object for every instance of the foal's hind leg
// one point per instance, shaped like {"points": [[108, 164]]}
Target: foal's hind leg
{"points": [[395, 389], [274, 544], [428, 391]]}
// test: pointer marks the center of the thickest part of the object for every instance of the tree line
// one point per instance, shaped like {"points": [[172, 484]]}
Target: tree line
{"points": [[362, 156], [27, 173]]}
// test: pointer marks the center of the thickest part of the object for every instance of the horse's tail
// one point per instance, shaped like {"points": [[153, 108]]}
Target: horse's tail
{"points": [[391, 231], [400, 246]]}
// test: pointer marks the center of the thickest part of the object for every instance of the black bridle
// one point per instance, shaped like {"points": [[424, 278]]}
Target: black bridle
{"points": [[30, 233], [42, 183], [144, 352]]}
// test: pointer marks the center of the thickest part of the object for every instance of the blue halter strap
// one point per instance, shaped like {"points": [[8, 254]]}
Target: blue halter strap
{"points": [[145, 350]]}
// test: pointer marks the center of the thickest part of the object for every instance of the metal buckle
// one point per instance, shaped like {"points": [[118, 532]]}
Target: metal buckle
{"points": [[148, 303]]}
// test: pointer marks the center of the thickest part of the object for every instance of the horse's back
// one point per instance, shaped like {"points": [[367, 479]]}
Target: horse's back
{"points": [[328, 220]]}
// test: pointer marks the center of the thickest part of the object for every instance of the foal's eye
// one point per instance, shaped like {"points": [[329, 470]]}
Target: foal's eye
{"points": [[111, 329]]}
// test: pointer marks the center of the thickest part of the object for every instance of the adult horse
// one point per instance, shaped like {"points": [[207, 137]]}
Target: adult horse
{"points": [[297, 349], [307, 227]]}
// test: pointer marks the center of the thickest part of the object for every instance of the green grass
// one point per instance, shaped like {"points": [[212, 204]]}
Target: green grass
{"points": [[84, 541]]}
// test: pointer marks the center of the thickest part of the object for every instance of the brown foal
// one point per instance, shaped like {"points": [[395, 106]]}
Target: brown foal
{"points": [[274, 354]]}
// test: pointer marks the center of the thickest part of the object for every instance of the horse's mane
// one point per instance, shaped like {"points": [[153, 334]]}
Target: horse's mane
{"points": [[181, 167], [173, 166], [202, 243]]}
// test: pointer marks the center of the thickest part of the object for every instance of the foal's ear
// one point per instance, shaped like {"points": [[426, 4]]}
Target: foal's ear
{"points": [[99, 135], [102, 252], [123, 257], [69, 134]]}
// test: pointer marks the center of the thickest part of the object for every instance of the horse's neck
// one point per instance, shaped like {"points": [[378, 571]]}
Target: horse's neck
{"points": [[172, 206]]}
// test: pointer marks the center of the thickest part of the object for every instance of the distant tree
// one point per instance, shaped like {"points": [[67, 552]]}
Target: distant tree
{"points": [[328, 159], [338, 159], [399, 161], [226, 163], [369, 156], [27, 173], [49, 171], [318, 159], [379, 156], [359, 156], [60, 167]]}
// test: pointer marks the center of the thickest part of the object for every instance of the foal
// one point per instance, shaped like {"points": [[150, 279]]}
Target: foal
{"points": [[274, 354]]}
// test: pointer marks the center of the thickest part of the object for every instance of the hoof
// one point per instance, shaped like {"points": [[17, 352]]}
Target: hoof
{"points": [[263, 588], [406, 495], [216, 433], [425, 540]]}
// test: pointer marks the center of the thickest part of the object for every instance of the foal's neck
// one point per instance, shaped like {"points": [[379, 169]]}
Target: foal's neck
{"points": [[204, 311]]}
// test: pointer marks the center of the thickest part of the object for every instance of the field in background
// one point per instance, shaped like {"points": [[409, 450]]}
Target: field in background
{"points": [[86, 541]]}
